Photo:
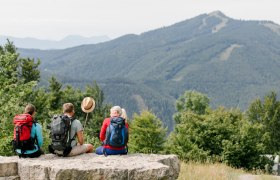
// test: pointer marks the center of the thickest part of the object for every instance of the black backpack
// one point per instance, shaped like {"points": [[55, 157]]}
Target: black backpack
{"points": [[117, 133], [60, 130]]}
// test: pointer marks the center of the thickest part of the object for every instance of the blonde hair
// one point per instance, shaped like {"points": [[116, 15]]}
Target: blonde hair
{"points": [[124, 115], [68, 108]]}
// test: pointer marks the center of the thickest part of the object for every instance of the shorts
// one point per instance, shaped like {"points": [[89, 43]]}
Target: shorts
{"points": [[79, 149]]}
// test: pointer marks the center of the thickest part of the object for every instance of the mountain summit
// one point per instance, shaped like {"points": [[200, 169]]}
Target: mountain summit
{"points": [[232, 61]]}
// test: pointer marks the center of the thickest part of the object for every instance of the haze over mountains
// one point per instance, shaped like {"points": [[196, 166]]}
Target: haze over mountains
{"points": [[67, 42], [232, 61]]}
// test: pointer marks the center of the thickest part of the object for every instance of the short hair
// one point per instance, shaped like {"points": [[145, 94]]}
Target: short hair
{"points": [[118, 109], [29, 109], [68, 108]]}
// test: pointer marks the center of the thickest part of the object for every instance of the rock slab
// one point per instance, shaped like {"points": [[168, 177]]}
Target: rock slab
{"points": [[8, 166], [91, 166]]}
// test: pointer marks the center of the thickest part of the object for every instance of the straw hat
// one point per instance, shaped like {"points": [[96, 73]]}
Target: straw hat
{"points": [[88, 104]]}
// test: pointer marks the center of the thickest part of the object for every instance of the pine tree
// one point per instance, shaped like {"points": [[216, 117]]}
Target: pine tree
{"points": [[147, 134], [29, 70], [55, 96]]}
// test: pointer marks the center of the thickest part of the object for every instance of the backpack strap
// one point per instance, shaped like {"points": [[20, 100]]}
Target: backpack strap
{"points": [[108, 133], [69, 132], [69, 147]]}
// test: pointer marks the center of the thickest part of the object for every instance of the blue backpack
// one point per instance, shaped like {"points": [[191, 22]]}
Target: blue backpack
{"points": [[117, 133]]}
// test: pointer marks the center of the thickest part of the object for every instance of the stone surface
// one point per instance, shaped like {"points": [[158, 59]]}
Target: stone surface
{"points": [[10, 178], [91, 166], [8, 166]]}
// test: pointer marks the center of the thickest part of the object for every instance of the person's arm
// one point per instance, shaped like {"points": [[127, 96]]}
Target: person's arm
{"points": [[39, 136], [79, 130], [80, 136], [103, 130]]}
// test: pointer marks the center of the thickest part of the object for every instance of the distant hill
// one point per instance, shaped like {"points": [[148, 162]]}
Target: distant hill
{"points": [[67, 42], [232, 61]]}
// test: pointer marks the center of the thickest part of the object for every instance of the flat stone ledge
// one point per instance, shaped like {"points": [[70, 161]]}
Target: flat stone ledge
{"points": [[8, 166], [92, 166], [10, 178]]}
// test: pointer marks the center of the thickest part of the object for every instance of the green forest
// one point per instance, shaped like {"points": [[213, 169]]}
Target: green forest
{"points": [[201, 133]]}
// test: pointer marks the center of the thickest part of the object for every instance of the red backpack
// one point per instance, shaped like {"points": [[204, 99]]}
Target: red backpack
{"points": [[22, 132]]}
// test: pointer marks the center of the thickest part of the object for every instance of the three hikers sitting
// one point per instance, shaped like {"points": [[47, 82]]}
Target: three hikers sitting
{"points": [[67, 137]]}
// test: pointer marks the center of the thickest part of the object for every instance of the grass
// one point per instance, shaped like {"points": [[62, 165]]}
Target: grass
{"points": [[198, 171]]}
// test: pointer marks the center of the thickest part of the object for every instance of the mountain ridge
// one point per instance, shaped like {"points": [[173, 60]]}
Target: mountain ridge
{"points": [[232, 61], [45, 44]]}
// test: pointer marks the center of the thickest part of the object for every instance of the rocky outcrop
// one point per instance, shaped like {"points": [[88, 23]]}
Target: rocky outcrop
{"points": [[91, 166]]}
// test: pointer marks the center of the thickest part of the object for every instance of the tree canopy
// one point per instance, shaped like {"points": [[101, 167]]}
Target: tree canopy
{"points": [[147, 134]]}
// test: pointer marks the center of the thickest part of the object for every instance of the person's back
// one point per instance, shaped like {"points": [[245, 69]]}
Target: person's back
{"points": [[76, 131], [106, 135], [36, 138]]}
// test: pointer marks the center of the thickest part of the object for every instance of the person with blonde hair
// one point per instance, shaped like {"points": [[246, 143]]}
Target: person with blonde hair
{"points": [[114, 133], [124, 115]]}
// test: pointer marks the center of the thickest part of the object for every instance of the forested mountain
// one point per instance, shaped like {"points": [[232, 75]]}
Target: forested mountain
{"points": [[232, 61]]}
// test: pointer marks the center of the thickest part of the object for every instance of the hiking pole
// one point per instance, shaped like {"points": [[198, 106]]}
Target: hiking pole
{"points": [[85, 122]]}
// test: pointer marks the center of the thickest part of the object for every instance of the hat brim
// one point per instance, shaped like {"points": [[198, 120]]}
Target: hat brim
{"points": [[88, 110]]}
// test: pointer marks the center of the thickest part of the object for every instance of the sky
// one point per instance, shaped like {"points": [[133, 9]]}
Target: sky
{"points": [[55, 19]]}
